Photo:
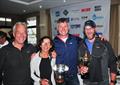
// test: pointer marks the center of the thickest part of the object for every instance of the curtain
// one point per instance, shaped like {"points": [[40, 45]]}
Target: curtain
{"points": [[114, 27]]}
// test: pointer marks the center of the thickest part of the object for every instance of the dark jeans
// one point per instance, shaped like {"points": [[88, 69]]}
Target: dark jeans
{"points": [[87, 82], [70, 80], [1, 78]]}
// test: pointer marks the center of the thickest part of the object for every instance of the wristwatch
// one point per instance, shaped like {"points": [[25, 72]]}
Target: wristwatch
{"points": [[113, 81]]}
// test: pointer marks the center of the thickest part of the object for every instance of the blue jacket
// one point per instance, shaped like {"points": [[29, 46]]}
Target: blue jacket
{"points": [[67, 52]]}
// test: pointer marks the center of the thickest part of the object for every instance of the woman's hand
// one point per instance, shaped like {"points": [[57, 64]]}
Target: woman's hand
{"points": [[53, 54], [44, 82], [112, 83]]}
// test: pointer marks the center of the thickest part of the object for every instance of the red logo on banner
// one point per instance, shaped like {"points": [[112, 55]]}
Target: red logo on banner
{"points": [[85, 9], [77, 35]]}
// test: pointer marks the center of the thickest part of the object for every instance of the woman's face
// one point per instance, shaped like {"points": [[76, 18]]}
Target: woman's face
{"points": [[45, 46]]}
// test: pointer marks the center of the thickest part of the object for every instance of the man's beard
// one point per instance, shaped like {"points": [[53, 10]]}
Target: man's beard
{"points": [[92, 37]]}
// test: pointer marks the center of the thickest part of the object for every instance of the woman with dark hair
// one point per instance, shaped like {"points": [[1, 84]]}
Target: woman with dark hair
{"points": [[42, 63]]}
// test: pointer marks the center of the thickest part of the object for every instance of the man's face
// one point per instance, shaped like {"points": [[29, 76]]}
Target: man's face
{"points": [[20, 34], [63, 28], [90, 32]]}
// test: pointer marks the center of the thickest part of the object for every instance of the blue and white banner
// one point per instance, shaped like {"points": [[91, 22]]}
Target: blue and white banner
{"points": [[77, 14]]}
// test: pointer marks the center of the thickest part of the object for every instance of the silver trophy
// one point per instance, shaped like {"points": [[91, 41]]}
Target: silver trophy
{"points": [[60, 70]]}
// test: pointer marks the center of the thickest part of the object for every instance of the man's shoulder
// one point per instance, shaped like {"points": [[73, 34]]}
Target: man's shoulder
{"points": [[7, 46], [104, 42], [6, 49], [82, 44], [75, 37], [29, 45], [55, 38]]}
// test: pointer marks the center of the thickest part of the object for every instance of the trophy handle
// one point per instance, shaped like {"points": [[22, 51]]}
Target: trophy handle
{"points": [[61, 67]]}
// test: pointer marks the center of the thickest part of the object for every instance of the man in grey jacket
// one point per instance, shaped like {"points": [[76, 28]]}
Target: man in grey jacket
{"points": [[101, 57]]}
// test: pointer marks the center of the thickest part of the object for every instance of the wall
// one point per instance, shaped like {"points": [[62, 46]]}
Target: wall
{"points": [[115, 1], [43, 23]]}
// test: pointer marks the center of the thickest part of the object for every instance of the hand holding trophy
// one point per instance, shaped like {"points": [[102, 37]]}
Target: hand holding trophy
{"points": [[60, 70], [44, 82], [84, 65]]}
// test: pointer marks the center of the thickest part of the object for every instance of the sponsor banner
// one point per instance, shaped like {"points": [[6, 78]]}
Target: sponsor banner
{"points": [[77, 14]]}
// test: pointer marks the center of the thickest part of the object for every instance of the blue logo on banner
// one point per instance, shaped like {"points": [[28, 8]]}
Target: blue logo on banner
{"points": [[75, 26], [99, 33], [75, 19], [68, 19], [57, 13], [98, 8], [65, 12], [94, 17], [84, 17]]}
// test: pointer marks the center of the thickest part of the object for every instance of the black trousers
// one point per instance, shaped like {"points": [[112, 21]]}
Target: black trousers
{"points": [[1, 78], [87, 82]]}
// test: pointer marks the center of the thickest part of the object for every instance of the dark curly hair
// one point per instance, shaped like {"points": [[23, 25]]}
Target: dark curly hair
{"points": [[3, 34], [51, 43]]}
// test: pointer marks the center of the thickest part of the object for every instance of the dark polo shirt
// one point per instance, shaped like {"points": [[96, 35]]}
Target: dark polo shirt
{"points": [[15, 64]]}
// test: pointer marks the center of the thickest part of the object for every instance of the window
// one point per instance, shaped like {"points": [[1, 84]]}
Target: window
{"points": [[31, 21], [32, 30], [5, 21], [32, 35]]}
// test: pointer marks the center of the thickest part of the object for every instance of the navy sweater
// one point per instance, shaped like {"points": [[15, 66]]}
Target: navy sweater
{"points": [[67, 52]]}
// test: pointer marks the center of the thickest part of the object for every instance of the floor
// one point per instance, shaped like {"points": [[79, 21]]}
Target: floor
{"points": [[118, 80]]}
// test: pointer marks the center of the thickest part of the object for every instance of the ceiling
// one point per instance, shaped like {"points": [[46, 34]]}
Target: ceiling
{"points": [[29, 6]]}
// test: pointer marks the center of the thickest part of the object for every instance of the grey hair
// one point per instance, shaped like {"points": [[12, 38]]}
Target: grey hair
{"points": [[19, 23]]}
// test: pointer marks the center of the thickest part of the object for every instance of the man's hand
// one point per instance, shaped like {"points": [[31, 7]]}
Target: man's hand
{"points": [[53, 54], [102, 38], [83, 69], [113, 78], [33, 55]]}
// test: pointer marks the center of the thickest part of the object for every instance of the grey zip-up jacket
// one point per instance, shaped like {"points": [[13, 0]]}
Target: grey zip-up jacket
{"points": [[103, 52]]}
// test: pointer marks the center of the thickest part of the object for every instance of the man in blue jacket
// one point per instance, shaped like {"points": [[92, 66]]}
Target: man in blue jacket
{"points": [[66, 46]]}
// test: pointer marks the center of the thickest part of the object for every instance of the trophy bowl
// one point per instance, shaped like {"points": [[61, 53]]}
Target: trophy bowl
{"points": [[59, 70]]}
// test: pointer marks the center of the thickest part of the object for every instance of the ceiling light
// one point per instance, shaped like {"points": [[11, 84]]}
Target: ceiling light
{"points": [[2, 19], [40, 6], [24, 10], [25, 2], [64, 1]]}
